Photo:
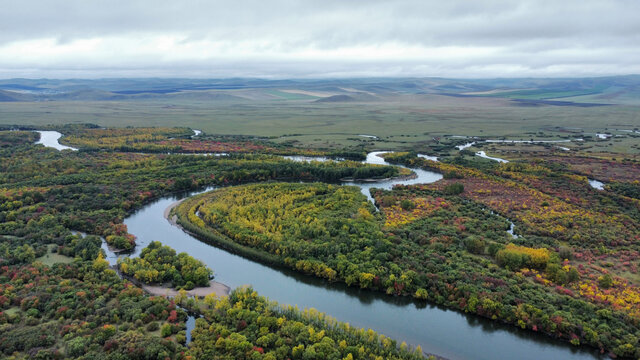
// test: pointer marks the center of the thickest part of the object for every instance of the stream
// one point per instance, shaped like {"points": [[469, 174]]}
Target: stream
{"points": [[598, 185], [482, 154], [447, 333]]}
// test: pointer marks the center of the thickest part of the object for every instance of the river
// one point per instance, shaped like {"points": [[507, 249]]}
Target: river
{"points": [[484, 155], [451, 334], [448, 333]]}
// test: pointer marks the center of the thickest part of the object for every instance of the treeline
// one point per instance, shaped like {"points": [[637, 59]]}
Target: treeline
{"points": [[10, 138], [123, 139], [158, 263], [88, 137]]}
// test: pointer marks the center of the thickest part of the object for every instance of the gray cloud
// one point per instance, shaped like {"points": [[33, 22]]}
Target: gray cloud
{"points": [[288, 38]]}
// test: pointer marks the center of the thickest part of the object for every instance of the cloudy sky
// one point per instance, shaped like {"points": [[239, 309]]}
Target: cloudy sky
{"points": [[323, 38]]}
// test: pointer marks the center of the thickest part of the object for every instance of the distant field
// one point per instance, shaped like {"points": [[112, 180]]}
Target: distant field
{"points": [[543, 94], [400, 121]]}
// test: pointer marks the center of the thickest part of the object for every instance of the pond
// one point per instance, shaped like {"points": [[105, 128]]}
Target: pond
{"points": [[50, 139]]}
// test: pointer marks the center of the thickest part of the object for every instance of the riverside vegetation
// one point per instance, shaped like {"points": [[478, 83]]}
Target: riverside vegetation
{"points": [[571, 272], [160, 264], [564, 227], [77, 307]]}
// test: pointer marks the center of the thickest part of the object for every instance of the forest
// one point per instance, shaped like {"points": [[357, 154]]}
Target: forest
{"points": [[59, 298], [570, 270], [93, 191], [246, 323]]}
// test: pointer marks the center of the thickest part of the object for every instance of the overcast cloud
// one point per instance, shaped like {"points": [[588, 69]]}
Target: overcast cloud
{"points": [[325, 38]]}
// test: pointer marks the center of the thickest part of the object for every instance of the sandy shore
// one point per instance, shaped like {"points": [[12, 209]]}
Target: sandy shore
{"points": [[214, 287], [168, 210]]}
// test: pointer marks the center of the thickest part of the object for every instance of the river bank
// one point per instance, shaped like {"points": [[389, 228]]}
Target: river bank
{"points": [[218, 288], [452, 334], [438, 330], [174, 219]]}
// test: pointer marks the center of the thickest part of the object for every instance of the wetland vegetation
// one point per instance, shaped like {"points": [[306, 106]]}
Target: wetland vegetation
{"points": [[568, 272]]}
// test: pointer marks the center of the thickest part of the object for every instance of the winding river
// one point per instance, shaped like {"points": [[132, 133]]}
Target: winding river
{"points": [[440, 331], [448, 333]]}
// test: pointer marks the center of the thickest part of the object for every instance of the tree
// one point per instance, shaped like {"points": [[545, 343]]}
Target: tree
{"points": [[100, 264], [454, 189], [605, 281], [166, 330]]}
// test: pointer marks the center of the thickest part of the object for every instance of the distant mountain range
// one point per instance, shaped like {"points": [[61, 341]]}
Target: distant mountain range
{"points": [[524, 92]]}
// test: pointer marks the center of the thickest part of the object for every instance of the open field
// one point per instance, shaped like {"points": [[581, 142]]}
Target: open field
{"points": [[51, 258], [399, 121], [411, 113]]}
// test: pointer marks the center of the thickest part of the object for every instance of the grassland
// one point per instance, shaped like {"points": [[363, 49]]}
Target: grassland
{"points": [[400, 122], [407, 113]]}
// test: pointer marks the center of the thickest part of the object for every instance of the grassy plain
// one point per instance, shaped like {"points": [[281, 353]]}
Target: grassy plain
{"points": [[400, 121]]}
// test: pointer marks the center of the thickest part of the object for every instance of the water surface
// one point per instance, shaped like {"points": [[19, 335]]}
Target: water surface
{"points": [[440, 331], [596, 184], [50, 139], [482, 154]]}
